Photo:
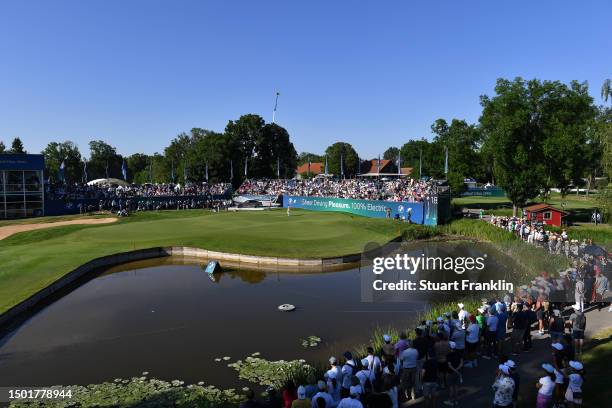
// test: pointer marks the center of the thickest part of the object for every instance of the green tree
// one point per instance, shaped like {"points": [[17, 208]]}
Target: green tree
{"points": [[305, 157], [177, 155], [242, 136], [103, 157], [67, 152], [349, 157], [209, 147], [391, 154], [537, 134], [17, 147], [463, 142], [138, 168], [421, 152], [513, 136], [273, 148], [606, 90], [2, 147]]}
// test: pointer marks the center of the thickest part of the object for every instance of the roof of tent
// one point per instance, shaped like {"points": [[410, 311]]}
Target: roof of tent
{"points": [[111, 181]]}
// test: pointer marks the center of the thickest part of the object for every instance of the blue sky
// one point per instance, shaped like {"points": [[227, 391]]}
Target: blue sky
{"points": [[374, 74]]}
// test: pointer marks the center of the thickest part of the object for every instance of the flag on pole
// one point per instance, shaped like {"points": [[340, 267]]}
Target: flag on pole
{"points": [[399, 164], [206, 172], [246, 167], [172, 171], [61, 172], [341, 165], [378, 165], [278, 167], [124, 170], [150, 171], [309, 163], [185, 172], [107, 169], [84, 171], [358, 166], [420, 164], [446, 160], [231, 170], [326, 165]]}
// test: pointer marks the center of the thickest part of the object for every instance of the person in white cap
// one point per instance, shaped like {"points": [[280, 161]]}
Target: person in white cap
{"points": [[366, 377], [322, 393], [546, 386], [514, 374], [573, 395], [333, 367], [503, 387], [334, 387], [557, 356], [302, 401], [388, 351], [352, 401]]}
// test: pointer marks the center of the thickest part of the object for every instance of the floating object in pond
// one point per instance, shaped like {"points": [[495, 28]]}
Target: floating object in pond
{"points": [[286, 308], [212, 267]]}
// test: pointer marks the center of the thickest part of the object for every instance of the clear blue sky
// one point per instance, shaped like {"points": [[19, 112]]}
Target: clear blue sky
{"points": [[374, 74]]}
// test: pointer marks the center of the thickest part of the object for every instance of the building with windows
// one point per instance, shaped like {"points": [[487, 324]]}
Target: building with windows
{"points": [[21, 185], [545, 214]]}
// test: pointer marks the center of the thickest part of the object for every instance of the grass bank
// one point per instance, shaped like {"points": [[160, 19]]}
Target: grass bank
{"points": [[597, 360], [531, 259], [32, 260]]}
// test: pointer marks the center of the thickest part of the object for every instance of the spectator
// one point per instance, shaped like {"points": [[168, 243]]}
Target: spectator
{"points": [[546, 386], [302, 400], [503, 387]]}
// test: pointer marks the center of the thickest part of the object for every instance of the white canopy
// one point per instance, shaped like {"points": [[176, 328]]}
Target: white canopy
{"points": [[109, 181]]}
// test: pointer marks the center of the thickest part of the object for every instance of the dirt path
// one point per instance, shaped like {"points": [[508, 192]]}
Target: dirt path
{"points": [[9, 230]]}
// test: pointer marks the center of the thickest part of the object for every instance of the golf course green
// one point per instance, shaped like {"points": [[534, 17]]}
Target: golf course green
{"points": [[32, 260]]}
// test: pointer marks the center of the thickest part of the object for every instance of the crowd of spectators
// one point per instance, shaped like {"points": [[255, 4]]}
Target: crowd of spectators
{"points": [[444, 355], [113, 191], [404, 189]]}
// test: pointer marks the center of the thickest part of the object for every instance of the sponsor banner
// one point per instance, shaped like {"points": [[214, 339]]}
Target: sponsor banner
{"points": [[484, 192], [22, 162], [412, 212]]}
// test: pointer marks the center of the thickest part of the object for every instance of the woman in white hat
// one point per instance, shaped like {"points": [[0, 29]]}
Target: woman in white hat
{"points": [[546, 386], [503, 387], [573, 395]]}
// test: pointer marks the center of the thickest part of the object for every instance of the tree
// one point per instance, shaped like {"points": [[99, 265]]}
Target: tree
{"points": [[463, 143], [413, 151], [138, 168], [177, 154], [17, 147], [65, 152], [537, 132], [242, 136], [350, 159], [509, 122], [209, 147], [305, 157], [2, 147], [606, 90], [103, 159], [391, 154], [274, 151]]}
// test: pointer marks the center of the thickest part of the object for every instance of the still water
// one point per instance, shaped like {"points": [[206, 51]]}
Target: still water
{"points": [[167, 317]]}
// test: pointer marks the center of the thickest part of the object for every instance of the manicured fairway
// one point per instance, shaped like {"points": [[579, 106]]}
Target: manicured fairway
{"points": [[30, 261]]}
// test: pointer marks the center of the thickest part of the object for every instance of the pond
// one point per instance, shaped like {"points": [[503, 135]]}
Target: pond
{"points": [[168, 317]]}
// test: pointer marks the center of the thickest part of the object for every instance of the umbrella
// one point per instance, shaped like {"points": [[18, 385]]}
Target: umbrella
{"points": [[595, 250]]}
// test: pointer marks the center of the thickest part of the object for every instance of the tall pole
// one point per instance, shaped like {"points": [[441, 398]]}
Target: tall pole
{"points": [[275, 106], [420, 164]]}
